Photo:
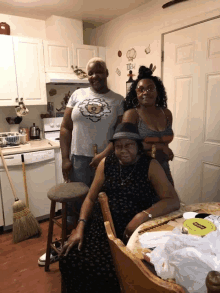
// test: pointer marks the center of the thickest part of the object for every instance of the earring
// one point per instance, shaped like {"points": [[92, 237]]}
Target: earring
{"points": [[135, 103], [157, 101]]}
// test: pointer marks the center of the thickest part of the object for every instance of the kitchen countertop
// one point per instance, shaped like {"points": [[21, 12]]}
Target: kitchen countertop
{"points": [[32, 146]]}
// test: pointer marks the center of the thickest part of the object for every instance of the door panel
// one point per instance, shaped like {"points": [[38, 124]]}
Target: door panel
{"points": [[8, 88], [82, 54], [192, 80], [57, 57], [30, 70]]}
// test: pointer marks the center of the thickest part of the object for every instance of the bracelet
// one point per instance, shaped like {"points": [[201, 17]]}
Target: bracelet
{"points": [[82, 220], [149, 215]]}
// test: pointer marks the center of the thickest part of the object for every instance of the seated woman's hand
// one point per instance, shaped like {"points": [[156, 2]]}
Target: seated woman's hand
{"points": [[76, 238], [132, 226]]}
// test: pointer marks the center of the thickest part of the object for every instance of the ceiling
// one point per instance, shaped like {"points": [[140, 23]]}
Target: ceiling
{"points": [[93, 12]]}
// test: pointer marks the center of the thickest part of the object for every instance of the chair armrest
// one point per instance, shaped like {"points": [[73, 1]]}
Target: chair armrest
{"points": [[103, 200]]}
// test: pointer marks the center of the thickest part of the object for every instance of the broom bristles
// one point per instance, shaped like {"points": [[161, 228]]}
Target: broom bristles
{"points": [[24, 223]]}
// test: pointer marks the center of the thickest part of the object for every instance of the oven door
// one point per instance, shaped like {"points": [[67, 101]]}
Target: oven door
{"points": [[52, 135]]}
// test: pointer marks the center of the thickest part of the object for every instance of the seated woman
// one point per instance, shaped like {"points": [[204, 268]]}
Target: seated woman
{"points": [[146, 106], [137, 189]]}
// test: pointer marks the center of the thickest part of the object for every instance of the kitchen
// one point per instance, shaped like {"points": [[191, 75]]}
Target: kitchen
{"points": [[121, 33]]}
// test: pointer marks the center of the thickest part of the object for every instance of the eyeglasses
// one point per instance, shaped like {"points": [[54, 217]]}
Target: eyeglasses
{"points": [[142, 89]]}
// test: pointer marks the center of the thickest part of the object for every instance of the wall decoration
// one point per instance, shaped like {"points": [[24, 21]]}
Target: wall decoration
{"points": [[119, 53], [131, 54], [79, 72], [118, 72], [152, 67], [147, 50], [130, 66], [130, 81], [64, 102]]}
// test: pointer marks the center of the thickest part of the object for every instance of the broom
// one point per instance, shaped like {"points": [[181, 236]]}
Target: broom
{"points": [[24, 223]]}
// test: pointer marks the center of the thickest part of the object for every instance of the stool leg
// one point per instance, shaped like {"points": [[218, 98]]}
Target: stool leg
{"points": [[50, 235], [64, 220]]}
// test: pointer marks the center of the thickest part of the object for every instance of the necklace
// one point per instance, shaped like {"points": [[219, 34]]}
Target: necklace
{"points": [[123, 181]]}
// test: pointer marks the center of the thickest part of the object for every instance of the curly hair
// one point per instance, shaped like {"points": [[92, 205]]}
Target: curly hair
{"points": [[131, 100]]}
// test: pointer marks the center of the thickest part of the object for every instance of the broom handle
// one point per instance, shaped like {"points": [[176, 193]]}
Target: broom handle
{"points": [[9, 177], [25, 181]]}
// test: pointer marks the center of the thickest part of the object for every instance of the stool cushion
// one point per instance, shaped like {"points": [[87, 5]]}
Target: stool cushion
{"points": [[68, 192]]}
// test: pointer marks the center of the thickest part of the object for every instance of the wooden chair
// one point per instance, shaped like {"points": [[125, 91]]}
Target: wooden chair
{"points": [[133, 275]]}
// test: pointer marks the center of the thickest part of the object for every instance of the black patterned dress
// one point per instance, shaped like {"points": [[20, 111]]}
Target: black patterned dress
{"points": [[92, 269]]}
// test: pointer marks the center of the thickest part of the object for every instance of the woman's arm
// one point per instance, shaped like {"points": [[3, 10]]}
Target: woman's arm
{"points": [[106, 151], [169, 200], [130, 116], [65, 142], [77, 234]]}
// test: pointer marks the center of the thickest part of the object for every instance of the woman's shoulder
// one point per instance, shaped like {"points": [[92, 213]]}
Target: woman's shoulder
{"points": [[168, 113], [131, 116]]}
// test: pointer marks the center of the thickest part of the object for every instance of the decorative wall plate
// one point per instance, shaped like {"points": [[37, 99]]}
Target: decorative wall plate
{"points": [[131, 54]]}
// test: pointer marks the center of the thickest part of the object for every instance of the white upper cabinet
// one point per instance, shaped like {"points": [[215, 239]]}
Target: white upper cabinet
{"points": [[82, 54], [102, 53], [63, 57], [58, 57], [22, 71], [8, 88], [30, 70]]}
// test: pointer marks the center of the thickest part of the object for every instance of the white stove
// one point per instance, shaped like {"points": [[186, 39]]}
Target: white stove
{"points": [[51, 127]]}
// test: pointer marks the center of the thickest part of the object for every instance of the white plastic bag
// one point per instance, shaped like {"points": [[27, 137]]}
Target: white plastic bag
{"points": [[188, 259]]}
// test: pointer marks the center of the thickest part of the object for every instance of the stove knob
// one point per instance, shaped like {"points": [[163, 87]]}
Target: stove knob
{"points": [[58, 124], [51, 124]]}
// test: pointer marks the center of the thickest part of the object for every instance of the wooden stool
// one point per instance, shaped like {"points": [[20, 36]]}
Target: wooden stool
{"points": [[63, 193]]}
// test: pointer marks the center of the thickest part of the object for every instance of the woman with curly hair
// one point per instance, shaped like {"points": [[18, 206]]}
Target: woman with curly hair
{"points": [[146, 106]]}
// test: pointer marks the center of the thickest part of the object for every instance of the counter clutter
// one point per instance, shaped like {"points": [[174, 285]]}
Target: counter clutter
{"points": [[32, 146]]}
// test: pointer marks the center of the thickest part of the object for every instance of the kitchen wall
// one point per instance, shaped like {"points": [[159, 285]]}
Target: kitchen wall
{"points": [[143, 27], [35, 111], [25, 27], [63, 30]]}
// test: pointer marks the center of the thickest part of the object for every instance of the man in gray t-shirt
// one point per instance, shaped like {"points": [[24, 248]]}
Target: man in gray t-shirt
{"points": [[90, 118]]}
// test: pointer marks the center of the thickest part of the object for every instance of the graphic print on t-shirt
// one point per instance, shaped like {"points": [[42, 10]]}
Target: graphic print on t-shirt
{"points": [[94, 109]]}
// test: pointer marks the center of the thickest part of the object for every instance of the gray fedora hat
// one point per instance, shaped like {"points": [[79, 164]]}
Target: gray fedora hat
{"points": [[126, 130]]}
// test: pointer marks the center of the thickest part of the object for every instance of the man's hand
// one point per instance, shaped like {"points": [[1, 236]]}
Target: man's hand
{"points": [[66, 167], [96, 160], [132, 226], [76, 238]]}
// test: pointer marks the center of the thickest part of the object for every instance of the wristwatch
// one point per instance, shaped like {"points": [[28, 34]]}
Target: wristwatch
{"points": [[149, 215]]}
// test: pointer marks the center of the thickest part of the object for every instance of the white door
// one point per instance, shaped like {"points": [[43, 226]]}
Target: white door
{"points": [[192, 80], [30, 70], [8, 88], [57, 57], [82, 54]]}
